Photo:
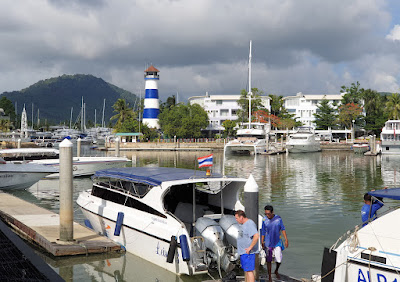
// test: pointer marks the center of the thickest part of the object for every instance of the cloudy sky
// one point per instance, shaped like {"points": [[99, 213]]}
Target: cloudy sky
{"points": [[308, 46]]}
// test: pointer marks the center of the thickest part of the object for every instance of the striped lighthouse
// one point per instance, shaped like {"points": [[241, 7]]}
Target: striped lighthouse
{"points": [[151, 104]]}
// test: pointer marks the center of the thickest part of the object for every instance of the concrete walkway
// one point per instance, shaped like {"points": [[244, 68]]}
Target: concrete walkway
{"points": [[41, 227]]}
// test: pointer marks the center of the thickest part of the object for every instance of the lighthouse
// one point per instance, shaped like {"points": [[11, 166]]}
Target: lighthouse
{"points": [[151, 104]]}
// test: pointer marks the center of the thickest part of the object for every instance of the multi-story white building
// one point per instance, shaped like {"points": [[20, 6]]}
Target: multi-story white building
{"points": [[304, 106], [221, 108]]}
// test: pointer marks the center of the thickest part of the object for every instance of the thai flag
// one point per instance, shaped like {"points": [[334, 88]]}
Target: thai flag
{"points": [[205, 161]]}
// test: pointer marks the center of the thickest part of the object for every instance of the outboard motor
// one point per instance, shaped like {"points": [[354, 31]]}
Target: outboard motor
{"points": [[213, 236], [231, 228]]}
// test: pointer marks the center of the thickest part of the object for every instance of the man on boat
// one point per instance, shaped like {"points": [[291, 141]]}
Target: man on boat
{"points": [[247, 244], [271, 229], [370, 208]]}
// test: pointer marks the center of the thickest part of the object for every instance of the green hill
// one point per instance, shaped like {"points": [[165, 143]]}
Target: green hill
{"points": [[54, 97]]}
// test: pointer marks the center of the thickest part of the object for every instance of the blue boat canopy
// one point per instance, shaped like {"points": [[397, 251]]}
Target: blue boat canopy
{"points": [[153, 175], [393, 193]]}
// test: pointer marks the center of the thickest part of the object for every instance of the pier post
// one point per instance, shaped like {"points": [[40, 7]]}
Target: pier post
{"points": [[117, 147], [251, 207], [66, 200], [19, 144], [78, 147]]}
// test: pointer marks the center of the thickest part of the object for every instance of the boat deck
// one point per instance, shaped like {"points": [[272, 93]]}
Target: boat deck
{"points": [[42, 227], [263, 278]]}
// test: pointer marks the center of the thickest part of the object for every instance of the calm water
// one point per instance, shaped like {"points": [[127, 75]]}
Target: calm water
{"points": [[318, 195]]}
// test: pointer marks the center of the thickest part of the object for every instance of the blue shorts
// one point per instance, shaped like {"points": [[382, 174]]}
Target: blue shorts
{"points": [[248, 261]]}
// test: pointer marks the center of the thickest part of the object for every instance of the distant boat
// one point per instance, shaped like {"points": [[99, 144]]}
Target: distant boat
{"points": [[21, 175], [360, 148], [303, 140], [390, 138], [82, 166], [249, 140], [29, 154]]}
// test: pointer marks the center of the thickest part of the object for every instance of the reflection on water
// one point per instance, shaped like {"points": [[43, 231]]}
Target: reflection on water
{"points": [[318, 195]]}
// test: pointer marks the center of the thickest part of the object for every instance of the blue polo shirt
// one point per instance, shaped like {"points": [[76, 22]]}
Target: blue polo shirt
{"points": [[271, 229], [365, 211]]}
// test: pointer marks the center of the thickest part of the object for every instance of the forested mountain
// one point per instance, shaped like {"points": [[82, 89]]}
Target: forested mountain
{"points": [[54, 97]]}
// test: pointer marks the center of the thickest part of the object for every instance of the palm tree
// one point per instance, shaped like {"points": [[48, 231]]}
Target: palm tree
{"points": [[393, 106], [123, 111]]}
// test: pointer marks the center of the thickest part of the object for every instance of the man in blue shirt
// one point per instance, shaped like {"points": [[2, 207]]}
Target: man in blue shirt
{"points": [[247, 244], [271, 229], [369, 208]]}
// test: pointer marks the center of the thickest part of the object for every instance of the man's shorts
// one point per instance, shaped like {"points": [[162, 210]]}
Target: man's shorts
{"points": [[274, 253], [248, 262]]}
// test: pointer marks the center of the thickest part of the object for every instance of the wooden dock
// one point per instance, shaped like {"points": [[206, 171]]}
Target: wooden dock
{"points": [[42, 227]]}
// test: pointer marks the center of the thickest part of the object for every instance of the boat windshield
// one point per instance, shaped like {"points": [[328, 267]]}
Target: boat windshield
{"points": [[133, 188]]}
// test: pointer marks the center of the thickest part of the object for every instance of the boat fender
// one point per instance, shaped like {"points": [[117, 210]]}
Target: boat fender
{"points": [[88, 224], [184, 247], [171, 250], [118, 224]]}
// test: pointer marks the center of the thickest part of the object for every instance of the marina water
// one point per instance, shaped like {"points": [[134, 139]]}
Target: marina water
{"points": [[318, 195]]}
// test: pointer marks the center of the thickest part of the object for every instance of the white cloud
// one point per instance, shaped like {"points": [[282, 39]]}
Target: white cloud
{"points": [[394, 33]]}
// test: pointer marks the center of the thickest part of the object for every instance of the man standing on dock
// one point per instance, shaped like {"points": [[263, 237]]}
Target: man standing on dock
{"points": [[271, 229], [247, 244]]}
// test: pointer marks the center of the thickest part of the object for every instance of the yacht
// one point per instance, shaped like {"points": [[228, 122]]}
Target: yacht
{"points": [[367, 253], [82, 166], [303, 141], [251, 136], [250, 139], [179, 219], [21, 175], [390, 140]]}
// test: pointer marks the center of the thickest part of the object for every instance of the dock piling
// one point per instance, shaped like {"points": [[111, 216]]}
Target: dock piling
{"points": [[66, 191], [19, 144], [117, 147], [78, 147]]}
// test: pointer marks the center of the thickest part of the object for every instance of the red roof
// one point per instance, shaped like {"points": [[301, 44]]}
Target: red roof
{"points": [[152, 69]]}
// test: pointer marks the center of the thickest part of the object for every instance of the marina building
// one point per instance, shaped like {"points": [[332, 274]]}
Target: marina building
{"points": [[221, 108], [304, 106]]}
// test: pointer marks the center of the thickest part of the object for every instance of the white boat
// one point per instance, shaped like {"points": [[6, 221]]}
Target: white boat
{"points": [[390, 139], [249, 140], [360, 148], [82, 166], [178, 219], [29, 154], [251, 136], [369, 253], [303, 141], [21, 175]]}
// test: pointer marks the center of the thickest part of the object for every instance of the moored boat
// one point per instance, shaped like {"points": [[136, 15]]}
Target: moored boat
{"points": [[250, 139], [179, 219], [360, 148], [82, 166], [303, 141], [368, 253], [29, 154], [390, 139], [21, 175]]}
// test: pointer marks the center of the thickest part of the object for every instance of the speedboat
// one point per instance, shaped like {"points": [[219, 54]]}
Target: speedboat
{"points": [[21, 175], [360, 148], [29, 154], [179, 219], [368, 253], [82, 166], [303, 141], [251, 139], [390, 140]]}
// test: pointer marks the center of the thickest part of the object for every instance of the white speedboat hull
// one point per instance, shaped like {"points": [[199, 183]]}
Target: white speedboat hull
{"points": [[303, 148], [245, 149], [139, 235], [86, 165]]}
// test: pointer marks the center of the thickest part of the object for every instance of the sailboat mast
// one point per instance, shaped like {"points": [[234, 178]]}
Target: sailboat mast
{"points": [[102, 120], [70, 119], [250, 87]]}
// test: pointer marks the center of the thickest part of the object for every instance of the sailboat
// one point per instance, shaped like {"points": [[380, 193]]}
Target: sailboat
{"points": [[251, 136]]}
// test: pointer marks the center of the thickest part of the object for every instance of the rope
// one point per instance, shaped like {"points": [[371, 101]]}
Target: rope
{"points": [[354, 243]]}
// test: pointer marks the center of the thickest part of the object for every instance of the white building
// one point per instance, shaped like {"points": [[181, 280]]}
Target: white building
{"points": [[221, 108], [304, 106]]}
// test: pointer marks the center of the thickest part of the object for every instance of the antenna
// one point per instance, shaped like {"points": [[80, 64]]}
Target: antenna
{"points": [[250, 87]]}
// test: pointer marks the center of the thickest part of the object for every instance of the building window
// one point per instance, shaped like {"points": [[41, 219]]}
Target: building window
{"points": [[224, 113], [234, 112], [218, 102]]}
